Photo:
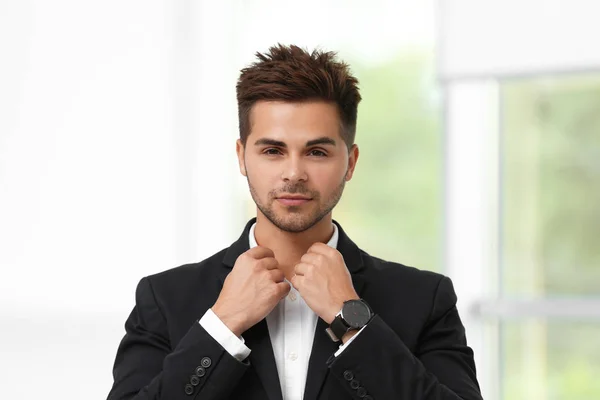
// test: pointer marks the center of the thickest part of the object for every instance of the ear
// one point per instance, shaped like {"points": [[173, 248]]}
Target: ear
{"points": [[240, 150], [352, 159]]}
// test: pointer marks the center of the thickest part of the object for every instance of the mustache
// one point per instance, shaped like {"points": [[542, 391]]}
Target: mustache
{"points": [[295, 189]]}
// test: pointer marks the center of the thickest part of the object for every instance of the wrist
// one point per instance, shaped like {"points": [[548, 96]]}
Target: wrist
{"points": [[231, 322], [337, 308], [348, 335]]}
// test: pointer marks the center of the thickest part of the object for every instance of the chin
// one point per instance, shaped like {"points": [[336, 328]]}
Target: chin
{"points": [[294, 223]]}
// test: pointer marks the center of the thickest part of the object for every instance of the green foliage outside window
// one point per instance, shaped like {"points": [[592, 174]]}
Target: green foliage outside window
{"points": [[392, 207]]}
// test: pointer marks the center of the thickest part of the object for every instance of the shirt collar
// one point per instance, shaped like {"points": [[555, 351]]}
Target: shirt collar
{"points": [[333, 242]]}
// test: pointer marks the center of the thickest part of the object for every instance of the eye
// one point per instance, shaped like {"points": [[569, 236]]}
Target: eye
{"points": [[271, 151], [317, 153]]}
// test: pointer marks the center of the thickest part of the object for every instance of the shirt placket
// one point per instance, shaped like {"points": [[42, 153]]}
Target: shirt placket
{"points": [[292, 346]]}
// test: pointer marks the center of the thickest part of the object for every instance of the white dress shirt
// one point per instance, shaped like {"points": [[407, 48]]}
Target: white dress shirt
{"points": [[291, 327]]}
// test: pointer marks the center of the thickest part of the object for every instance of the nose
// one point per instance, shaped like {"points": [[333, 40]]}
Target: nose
{"points": [[294, 170]]}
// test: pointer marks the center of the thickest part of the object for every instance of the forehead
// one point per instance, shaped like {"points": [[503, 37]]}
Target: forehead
{"points": [[293, 122]]}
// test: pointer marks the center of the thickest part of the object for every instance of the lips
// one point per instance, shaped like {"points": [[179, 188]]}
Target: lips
{"points": [[291, 200], [294, 197]]}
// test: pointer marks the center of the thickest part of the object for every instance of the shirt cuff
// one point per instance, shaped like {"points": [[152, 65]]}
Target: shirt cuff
{"points": [[343, 346], [222, 334]]}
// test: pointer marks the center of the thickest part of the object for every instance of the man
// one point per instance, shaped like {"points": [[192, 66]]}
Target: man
{"points": [[294, 309]]}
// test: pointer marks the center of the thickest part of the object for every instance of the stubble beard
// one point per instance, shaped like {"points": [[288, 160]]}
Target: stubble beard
{"points": [[295, 219]]}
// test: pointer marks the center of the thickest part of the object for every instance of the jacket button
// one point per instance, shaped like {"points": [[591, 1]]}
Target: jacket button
{"points": [[194, 380], [189, 389], [348, 375], [361, 392], [354, 384], [200, 372], [205, 362]]}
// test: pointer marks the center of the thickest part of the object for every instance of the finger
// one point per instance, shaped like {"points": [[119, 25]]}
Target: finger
{"points": [[260, 252], [276, 275], [312, 258], [268, 263], [319, 248], [297, 281], [325, 251], [283, 288], [301, 268]]}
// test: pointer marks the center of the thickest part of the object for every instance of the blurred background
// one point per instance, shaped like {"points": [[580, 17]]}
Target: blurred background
{"points": [[479, 133]]}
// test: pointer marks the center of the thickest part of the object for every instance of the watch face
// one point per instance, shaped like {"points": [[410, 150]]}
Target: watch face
{"points": [[356, 313]]}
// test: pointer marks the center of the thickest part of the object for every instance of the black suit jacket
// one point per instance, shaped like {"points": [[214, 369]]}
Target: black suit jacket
{"points": [[413, 348]]}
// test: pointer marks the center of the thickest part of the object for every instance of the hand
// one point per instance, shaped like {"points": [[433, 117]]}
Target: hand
{"points": [[251, 290], [323, 281]]}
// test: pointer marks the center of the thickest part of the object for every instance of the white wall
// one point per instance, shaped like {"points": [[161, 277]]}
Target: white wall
{"points": [[102, 149], [485, 38]]}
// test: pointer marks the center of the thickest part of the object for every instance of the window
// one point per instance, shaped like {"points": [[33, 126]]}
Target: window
{"points": [[550, 237]]}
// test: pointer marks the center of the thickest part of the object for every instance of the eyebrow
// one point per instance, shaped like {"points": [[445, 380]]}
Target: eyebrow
{"points": [[271, 142]]}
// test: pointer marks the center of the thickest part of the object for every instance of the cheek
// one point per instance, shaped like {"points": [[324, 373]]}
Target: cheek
{"points": [[254, 168], [327, 180], [261, 176]]}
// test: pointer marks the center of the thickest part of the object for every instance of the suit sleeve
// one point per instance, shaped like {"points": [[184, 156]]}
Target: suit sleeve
{"points": [[147, 367], [378, 364]]}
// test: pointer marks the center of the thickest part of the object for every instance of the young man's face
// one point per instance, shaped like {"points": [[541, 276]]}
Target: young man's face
{"points": [[296, 162]]}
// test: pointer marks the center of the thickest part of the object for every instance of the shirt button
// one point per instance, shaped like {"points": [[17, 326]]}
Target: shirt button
{"points": [[293, 356], [293, 296]]}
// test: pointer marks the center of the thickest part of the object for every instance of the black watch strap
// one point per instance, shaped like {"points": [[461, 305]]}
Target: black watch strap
{"points": [[338, 329]]}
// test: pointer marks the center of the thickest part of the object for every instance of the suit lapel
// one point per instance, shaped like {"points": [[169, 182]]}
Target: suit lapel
{"points": [[323, 347], [256, 338], [262, 359]]}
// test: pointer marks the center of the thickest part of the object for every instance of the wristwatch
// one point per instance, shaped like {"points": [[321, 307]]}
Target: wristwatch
{"points": [[354, 315]]}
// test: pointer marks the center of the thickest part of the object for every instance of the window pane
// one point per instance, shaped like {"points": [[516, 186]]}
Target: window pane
{"points": [[550, 360], [551, 187]]}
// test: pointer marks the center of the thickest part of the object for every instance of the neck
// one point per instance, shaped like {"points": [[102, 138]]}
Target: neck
{"points": [[289, 247]]}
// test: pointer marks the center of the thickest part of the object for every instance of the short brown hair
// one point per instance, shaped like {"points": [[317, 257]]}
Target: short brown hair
{"points": [[290, 73]]}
